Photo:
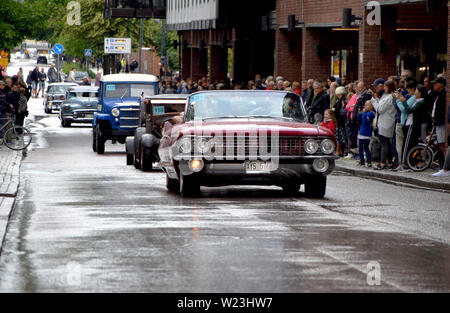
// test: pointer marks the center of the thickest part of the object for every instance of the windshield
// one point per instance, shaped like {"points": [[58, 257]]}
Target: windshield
{"points": [[59, 88], [245, 104], [117, 90], [85, 94], [80, 75]]}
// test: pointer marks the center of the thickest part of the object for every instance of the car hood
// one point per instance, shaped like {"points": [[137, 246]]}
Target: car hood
{"points": [[250, 125]]}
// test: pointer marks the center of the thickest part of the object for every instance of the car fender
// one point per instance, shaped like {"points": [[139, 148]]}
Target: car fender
{"points": [[129, 145]]}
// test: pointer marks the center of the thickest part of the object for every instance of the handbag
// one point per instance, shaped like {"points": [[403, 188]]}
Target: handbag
{"points": [[375, 129]]}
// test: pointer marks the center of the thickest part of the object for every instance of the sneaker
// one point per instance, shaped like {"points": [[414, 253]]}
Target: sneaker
{"points": [[402, 169], [360, 164], [349, 156], [369, 165], [441, 173]]}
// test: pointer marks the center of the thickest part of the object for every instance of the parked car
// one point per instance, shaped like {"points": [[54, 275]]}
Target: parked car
{"points": [[117, 115], [155, 111], [80, 105], [42, 59], [55, 95], [247, 138]]}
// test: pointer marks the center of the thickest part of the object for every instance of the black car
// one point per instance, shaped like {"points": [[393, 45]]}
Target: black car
{"points": [[42, 60]]}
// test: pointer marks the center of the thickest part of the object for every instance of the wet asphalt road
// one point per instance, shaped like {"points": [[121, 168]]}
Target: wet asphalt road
{"points": [[89, 223]]}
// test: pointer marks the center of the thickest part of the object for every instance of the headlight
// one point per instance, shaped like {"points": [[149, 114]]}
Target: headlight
{"points": [[202, 145], [327, 146], [185, 145], [61, 97], [50, 98], [66, 107], [115, 112], [321, 165], [311, 146]]}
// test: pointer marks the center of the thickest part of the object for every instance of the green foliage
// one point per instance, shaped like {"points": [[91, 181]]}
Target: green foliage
{"points": [[14, 23]]}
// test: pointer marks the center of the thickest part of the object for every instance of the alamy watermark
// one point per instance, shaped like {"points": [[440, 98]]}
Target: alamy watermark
{"points": [[373, 273], [73, 13]]}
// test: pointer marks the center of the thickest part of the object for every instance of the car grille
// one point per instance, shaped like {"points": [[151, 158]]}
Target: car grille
{"points": [[129, 118], [251, 146]]}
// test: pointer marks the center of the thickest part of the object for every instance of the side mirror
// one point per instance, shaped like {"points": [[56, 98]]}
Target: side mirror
{"points": [[318, 118]]}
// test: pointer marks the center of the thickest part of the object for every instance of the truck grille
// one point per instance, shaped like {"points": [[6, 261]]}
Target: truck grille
{"points": [[129, 118]]}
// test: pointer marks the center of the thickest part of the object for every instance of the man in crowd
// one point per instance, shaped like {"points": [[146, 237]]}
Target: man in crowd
{"points": [[42, 79], [35, 81], [52, 75], [318, 101], [438, 113]]}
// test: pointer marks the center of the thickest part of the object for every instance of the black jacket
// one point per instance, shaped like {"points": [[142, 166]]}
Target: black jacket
{"points": [[363, 98], [439, 112], [337, 112], [319, 105], [35, 76], [12, 98]]}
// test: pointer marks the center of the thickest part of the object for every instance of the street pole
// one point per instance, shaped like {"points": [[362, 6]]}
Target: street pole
{"points": [[163, 44], [141, 42], [57, 67]]}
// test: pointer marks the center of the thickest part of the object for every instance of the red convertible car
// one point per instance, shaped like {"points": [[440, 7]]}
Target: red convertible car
{"points": [[246, 138]]}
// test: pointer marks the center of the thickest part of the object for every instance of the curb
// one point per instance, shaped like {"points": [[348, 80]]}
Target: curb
{"points": [[8, 193], [393, 177]]}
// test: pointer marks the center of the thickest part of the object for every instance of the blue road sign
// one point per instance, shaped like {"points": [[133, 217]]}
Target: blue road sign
{"points": [[87, 52], [58, 48]]}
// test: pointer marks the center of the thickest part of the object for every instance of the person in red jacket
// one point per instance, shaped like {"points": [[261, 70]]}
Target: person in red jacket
{"points": [[329, 120]]}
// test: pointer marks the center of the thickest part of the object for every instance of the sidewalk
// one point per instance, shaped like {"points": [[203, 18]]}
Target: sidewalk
{"points": [[10, 162], [421, 179]]}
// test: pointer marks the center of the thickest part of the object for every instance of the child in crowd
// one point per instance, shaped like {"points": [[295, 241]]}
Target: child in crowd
{"points": [[365, 117], [329, 120]]}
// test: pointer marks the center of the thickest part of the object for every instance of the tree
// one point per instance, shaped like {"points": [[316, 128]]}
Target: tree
{"points": [[14, 23]]}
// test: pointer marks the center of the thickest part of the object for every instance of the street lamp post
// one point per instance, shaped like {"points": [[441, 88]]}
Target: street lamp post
{"points": [[141, 41]]}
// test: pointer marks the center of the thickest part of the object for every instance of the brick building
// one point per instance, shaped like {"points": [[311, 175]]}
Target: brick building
{"points": [[258, 37]]}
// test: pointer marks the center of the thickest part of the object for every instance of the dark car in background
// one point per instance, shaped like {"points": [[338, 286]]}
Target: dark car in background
{"points": [[80, 105], [55, 95], [42, 59]]}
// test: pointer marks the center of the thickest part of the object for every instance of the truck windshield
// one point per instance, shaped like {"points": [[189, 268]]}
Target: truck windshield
{"points": [[117, 90]]}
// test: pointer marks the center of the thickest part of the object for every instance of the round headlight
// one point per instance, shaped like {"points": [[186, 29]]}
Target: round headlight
{"points": [[327, 146], [115, 112], [321, 165], [66, 107], [50, 97], [185, 145], [202, 145], [311, 146]]}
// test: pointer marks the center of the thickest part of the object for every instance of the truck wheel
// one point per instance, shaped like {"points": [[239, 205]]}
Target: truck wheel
{"points": [[315, 187], [100, 141], [94, 140], [172, 184], [146, 159], [189, 186]]}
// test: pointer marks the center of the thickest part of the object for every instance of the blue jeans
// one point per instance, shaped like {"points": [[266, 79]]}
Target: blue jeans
{"points": [[364, 148]]}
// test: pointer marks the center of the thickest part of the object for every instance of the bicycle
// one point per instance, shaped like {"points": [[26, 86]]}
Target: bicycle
{"points": [[15, 137], [423, 155]]}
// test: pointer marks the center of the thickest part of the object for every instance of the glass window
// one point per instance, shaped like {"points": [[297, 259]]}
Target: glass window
{"points": [[117, 90], [271, 104], [138, 89]]}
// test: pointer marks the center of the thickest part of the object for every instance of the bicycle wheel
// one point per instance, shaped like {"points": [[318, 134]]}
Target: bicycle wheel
{"points": [[419, 158], [17, 138]]}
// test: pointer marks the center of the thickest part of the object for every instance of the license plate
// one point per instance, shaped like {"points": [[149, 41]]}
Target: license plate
{"points": [[257, 167]]}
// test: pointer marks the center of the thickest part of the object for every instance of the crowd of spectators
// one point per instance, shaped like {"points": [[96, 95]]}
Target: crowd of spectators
{"points": [[378, 120]]}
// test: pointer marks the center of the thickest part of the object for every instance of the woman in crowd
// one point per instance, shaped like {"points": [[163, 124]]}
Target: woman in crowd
{"points": [[385, 122], [341, 114]]}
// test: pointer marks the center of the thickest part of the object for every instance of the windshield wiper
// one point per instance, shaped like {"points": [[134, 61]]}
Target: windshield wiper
{"points": [[121, 98]]}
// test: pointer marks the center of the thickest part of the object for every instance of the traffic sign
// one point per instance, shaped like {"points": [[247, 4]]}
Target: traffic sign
{"points": [[87, 52], [58, 48], [118, 45]]}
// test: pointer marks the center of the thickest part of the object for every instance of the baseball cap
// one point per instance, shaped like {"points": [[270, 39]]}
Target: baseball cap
{"points": [[378, 81], [440, 80]]}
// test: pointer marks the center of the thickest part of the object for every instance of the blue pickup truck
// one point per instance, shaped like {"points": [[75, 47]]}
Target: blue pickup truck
{"points": [[118, 111]]}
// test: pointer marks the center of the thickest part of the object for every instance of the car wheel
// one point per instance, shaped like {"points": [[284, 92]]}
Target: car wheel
{"points": [[315, 187], [65, 123], [189, 186], [129, 159], [172, 184], [146, 159], [100, 141], [94, 140], [291, 188]]}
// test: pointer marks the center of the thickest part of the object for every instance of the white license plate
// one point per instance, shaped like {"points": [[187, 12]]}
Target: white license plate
{"points": [[257, 167]]}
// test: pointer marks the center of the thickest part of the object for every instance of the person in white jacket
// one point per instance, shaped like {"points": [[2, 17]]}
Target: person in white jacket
{"points": [[382, 103]]}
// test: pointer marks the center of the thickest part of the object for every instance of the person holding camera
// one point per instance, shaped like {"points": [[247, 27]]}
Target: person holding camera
{"points": [[382, 103]]}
